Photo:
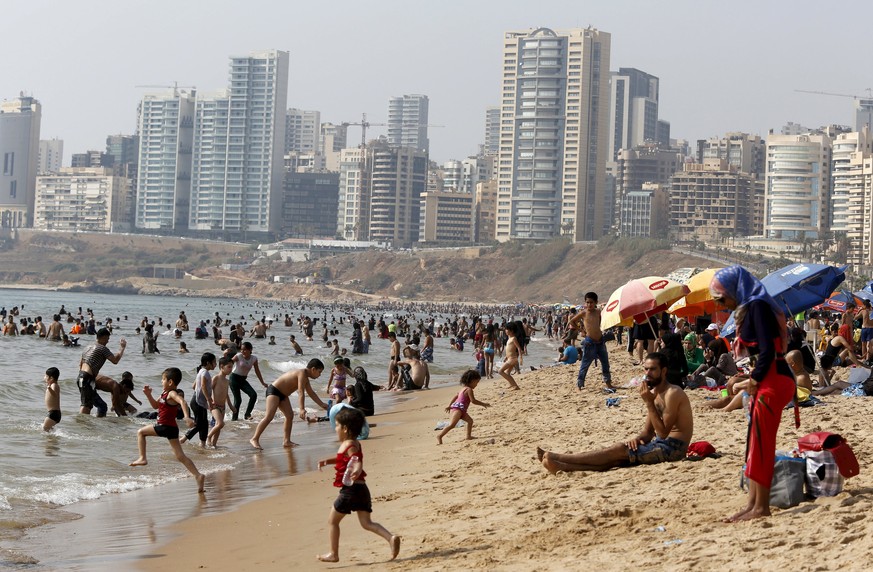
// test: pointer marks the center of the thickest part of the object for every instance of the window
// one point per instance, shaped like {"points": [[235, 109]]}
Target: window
{"points": [[8, 163], [13, 187]]}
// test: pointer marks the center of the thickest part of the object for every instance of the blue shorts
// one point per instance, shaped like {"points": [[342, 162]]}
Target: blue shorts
{"points": [[867, 334], [658, 451]]}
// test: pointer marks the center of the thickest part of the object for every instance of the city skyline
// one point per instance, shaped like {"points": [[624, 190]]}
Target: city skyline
{"points": [[738, 76]]}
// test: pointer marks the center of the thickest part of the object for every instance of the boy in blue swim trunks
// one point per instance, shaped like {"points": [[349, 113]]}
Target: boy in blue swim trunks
{"points": [[664, 438]]}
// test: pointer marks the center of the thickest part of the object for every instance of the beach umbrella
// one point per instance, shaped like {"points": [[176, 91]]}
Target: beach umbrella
{"points": [[698, 301], [798, 287], [639, 299], [864, 295], [840, 301]]}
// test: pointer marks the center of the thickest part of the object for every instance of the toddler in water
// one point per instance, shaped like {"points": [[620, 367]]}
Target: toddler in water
{"points": [[458, 406], [355, 496], [336, 384]]}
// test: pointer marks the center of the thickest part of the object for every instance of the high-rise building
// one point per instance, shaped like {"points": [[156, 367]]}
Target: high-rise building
{"points": [[743, 152], [19, 160], [863, 113], [332, 142], [398, 179], [238, 171], [165, 126], [353, 203], [310, 206], [846, 180], [379, 193], [712, 201], [89, 199], [553, 134], [51, 155], [447, 217], [797, 190], [492, 131], [486, 210], [407, 122], [302, 131], [124, 151], [633, 111]]}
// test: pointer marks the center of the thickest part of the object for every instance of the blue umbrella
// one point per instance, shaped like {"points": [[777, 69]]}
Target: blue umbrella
{"points": [[864, 295], [798, 287]]}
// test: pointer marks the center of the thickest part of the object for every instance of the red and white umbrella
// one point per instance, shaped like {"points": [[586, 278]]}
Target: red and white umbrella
{"points": [[639, 299]]}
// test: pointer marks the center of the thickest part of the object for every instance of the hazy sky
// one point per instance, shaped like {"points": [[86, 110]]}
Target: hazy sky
{"points": [[724, 66]]}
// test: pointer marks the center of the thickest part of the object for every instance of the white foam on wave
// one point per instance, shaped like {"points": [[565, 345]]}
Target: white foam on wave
{"points": [[285, 366], [4, 503], [68, 488]]}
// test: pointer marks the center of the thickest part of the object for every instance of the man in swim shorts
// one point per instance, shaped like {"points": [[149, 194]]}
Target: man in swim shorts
{"points": [[92, 360], [664, 438]]}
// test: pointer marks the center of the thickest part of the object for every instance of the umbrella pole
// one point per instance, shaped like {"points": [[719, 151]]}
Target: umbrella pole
{"points": [[651, 327]]}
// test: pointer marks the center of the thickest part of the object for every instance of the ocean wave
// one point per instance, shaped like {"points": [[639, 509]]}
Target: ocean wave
{"points": [[285, 366], [69, 488], [4, 503]]}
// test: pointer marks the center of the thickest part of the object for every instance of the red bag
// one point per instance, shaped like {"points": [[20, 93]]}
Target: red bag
{"points": [[837, 446]]}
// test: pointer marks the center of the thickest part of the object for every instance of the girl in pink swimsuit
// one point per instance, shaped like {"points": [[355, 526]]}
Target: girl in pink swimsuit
{"points": [[458, 406]]}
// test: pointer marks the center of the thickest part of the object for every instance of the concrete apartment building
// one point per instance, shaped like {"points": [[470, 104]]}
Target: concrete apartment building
{"points": [[310, 205], [846, 178], [554, 134], [88, 199], [486, 210], [165, 125], [712, 201], [645, 212], [353, 202], [492, 131], [238, 165], [651, 162], [447, 218], [797, 187], [19, 160], [397, 181], [302, 131], [51, 156], [633, 110], [407, 122], [743, 152], [333, 140]]}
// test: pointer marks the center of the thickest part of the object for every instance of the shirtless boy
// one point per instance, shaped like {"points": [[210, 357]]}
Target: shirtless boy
{"points": [[593, 346], [119, 392], [52, 398], [297, 349], [394, 357], [220, 384], [664, 438], [866, 314], [55, 330], [277, 398]]}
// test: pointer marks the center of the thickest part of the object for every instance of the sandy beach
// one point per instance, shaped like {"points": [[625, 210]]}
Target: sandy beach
{"points": [[489, 504]]}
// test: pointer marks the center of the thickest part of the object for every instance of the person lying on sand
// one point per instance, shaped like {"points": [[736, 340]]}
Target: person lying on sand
{"points": [[665, 435]]}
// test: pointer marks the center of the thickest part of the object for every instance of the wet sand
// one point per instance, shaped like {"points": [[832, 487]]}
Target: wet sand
{"points": [[489, 504]]}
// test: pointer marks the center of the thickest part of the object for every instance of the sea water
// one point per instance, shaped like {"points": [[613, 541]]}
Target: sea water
{"points": [[81, 466]]}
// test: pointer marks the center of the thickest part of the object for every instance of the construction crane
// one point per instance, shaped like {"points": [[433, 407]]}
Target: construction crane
{"points": [[868, 96], [364, 124], [174, 87]]}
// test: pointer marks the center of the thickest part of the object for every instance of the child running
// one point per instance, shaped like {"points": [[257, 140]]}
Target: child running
{"points": [[354, 494], [336, 384], [166, 427], [52, 398], [219, 399], [458, 406]]}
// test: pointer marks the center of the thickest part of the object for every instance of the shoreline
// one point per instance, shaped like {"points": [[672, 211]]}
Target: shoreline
{"points": [[489, 504]]}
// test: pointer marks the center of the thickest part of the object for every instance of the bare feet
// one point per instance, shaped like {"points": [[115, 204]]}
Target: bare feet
{"points": [[183, 439], [331, 557], [750, 513], [540, 453], [439, 440], [471, 437], [201, 483], [255, 444], [395, 546], [141, 462], [514, 387], [736, 516], [549, 464], [289, 444]]}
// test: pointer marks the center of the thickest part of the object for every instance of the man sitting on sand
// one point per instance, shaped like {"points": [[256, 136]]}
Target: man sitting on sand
{"points": [[665, 435]]}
